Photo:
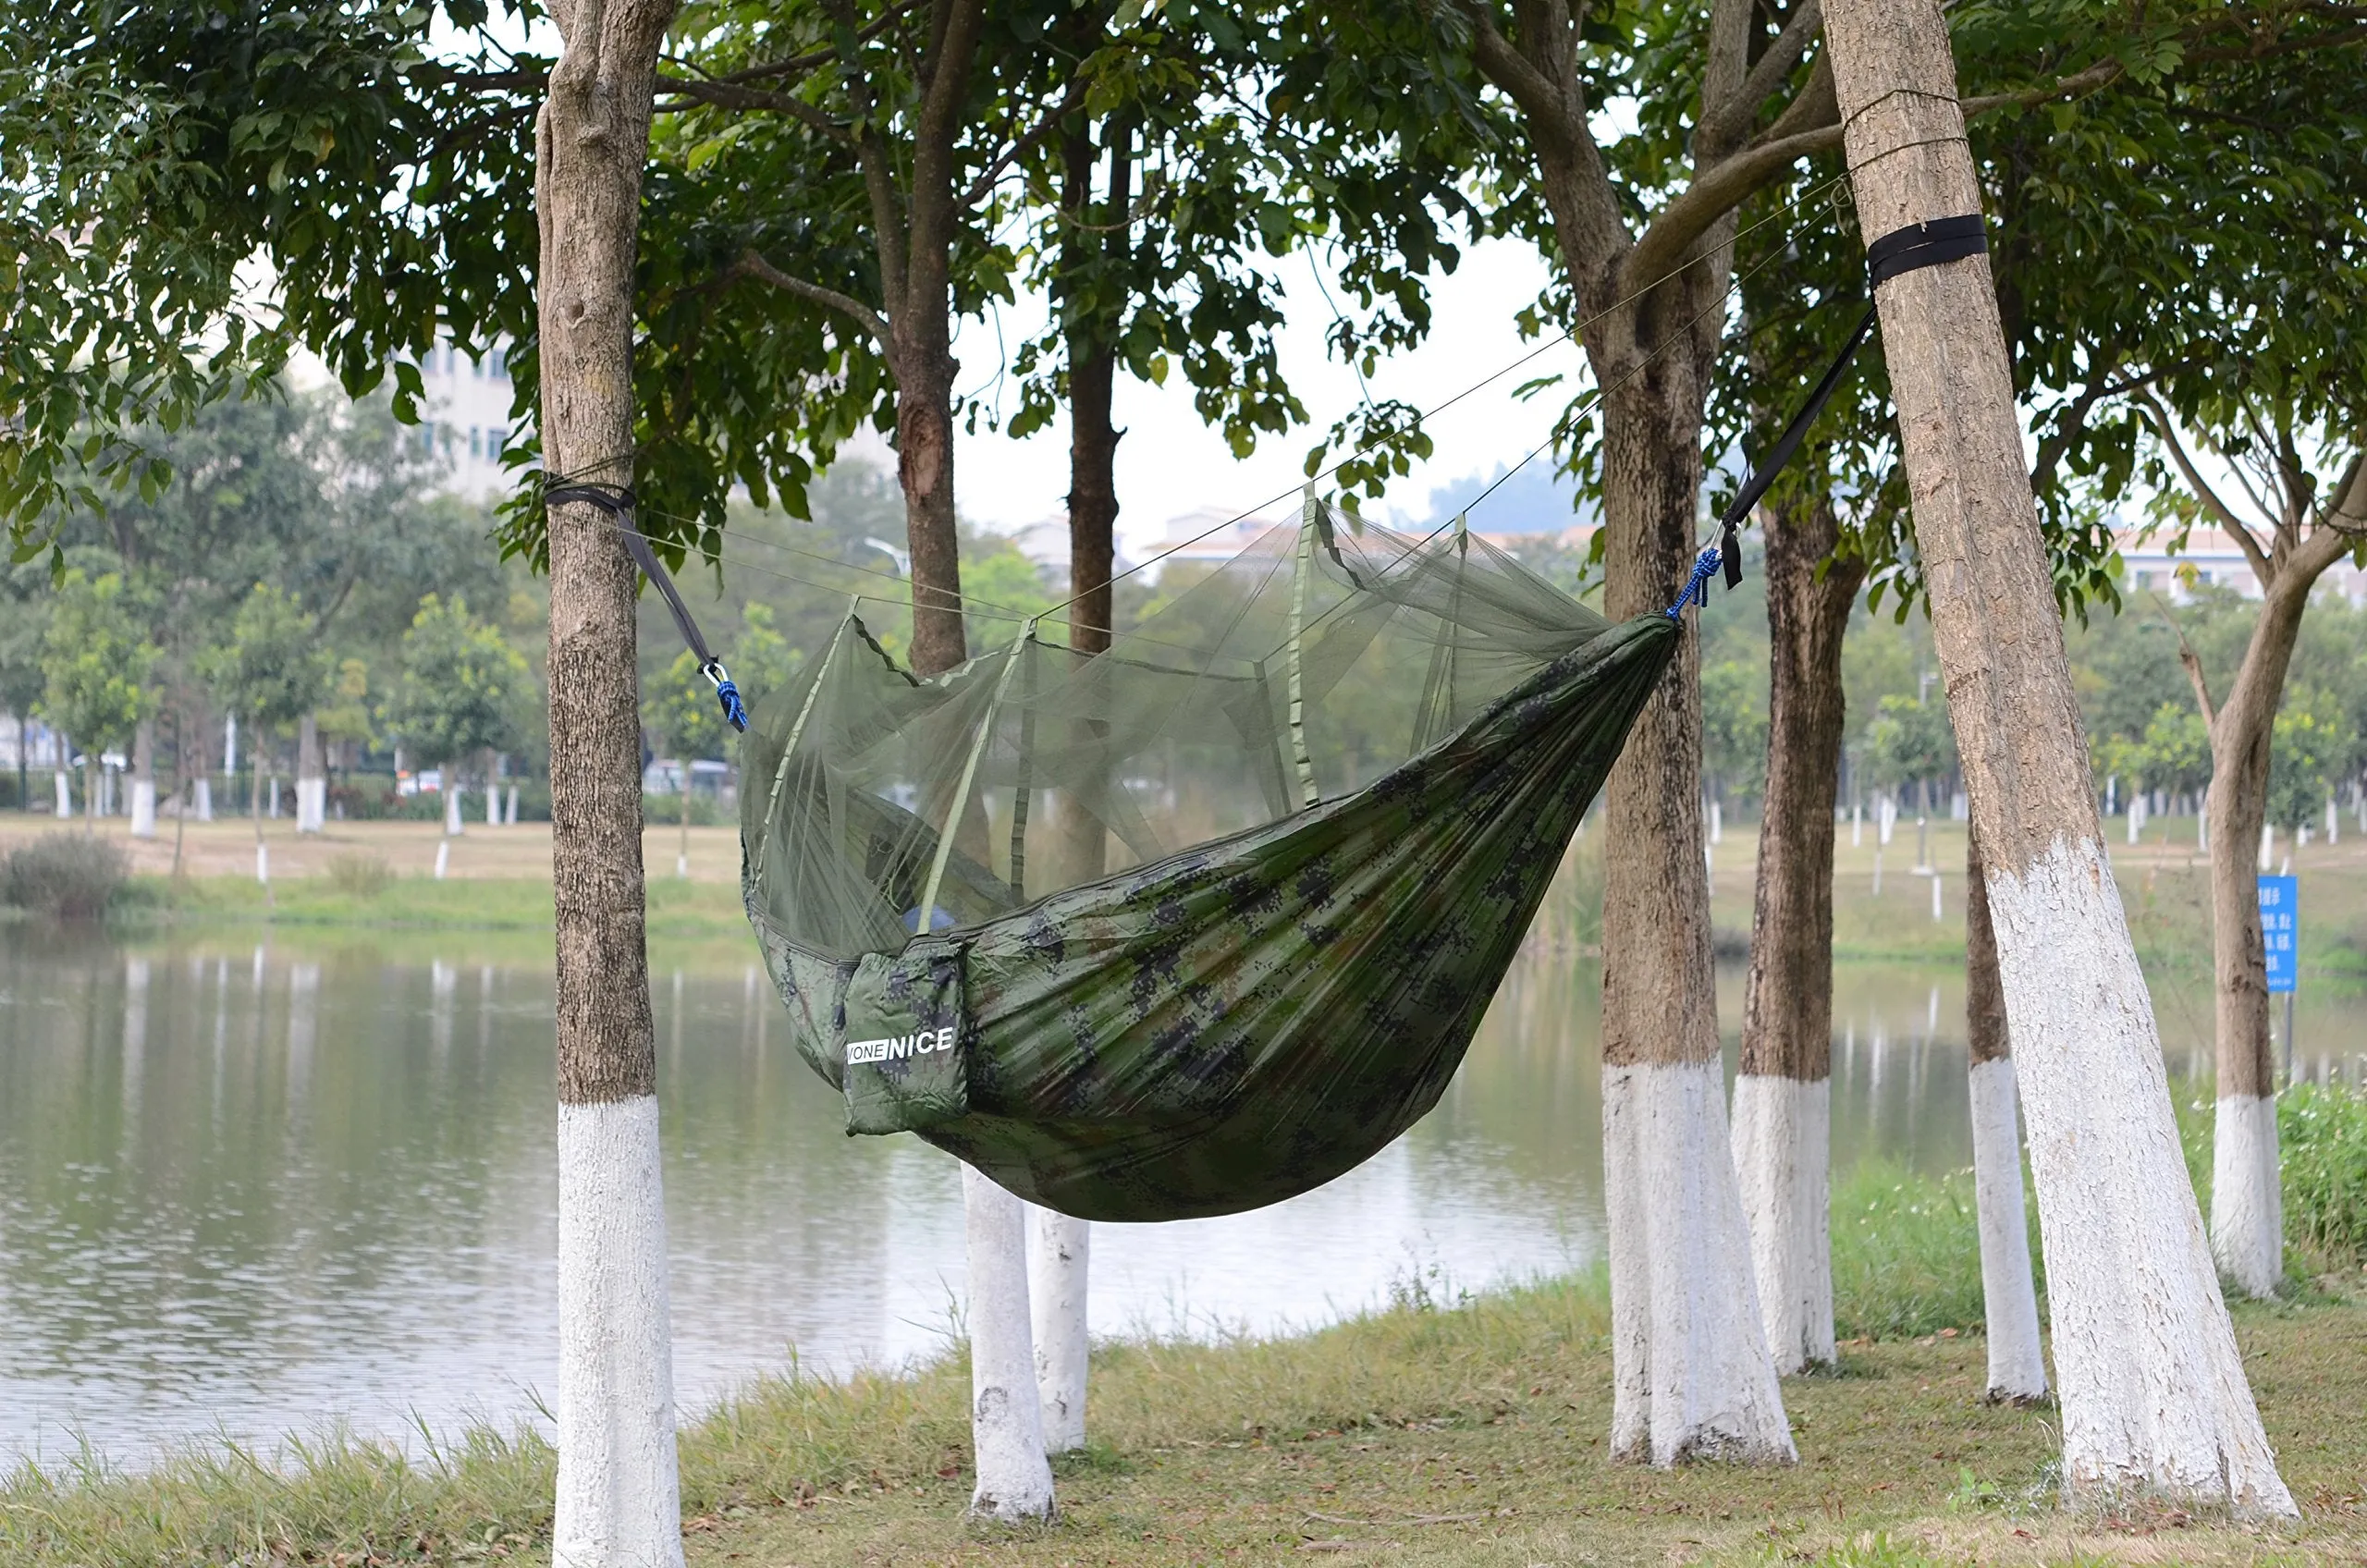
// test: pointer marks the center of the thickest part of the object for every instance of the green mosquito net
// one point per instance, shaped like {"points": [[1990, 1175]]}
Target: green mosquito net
{"points": [[1206, 920]]}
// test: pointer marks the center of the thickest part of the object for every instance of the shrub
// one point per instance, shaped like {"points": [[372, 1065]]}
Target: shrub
{"points": [[359, 877], [63, 877], [2322, 1132], [1905, 1253]]}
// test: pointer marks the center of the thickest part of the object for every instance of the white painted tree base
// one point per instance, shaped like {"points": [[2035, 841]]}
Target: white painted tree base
{"points": [[1059, 1260], [1691, 1375], [2247, 1195], [619, 1491], [143, 808], [205, 800], [1006, 1421], [311, 805], [453, 827], [1783, 1150], [65, 795], [2009, 1297], [2151, 1386]]}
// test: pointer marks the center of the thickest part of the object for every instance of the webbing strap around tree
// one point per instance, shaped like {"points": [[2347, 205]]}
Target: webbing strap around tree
{"points": [[618, 504], [1901, 251]]}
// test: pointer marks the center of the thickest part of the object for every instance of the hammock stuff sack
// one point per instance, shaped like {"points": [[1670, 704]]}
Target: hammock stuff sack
{"points": [[1211, 917]]}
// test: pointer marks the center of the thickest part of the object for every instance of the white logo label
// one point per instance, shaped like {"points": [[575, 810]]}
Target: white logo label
{"points": [[898, 1048]]}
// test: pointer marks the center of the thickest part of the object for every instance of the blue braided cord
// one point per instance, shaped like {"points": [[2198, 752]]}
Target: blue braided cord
{"points": [[1696, 587], [733, 709], [727, 695]]}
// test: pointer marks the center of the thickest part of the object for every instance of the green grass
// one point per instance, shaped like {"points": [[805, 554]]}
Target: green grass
{"points": [[676, 908], [1470, 1434]]}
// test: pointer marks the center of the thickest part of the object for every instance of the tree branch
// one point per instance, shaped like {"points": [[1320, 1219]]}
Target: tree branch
{"points": [[1725, 67], [2203, 492], [1536, 97], [2350, 493], [1728, 120], [1715, 191], [1069, 102], [751, 265], [2191, 663], [724, 95], [2078, 84], [797, 65]]}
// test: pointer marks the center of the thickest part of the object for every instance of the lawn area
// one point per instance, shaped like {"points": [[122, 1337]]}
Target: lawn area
{"points": [[1467, 1433]]}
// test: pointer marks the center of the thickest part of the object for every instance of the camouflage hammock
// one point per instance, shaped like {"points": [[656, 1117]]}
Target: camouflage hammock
{"points": [[1212, 916]]}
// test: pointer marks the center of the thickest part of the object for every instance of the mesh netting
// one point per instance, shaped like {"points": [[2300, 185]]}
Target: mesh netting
{"points": [[1319, 788]]}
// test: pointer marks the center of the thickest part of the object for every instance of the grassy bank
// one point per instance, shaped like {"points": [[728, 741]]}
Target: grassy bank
{"points": [[1442, 1430], [1468, 1435], [380, 875], [677, 908]]}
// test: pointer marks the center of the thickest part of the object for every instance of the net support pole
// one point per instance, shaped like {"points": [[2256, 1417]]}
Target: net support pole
{"points": [[969, 777], [797, 730], [1301, 563]]}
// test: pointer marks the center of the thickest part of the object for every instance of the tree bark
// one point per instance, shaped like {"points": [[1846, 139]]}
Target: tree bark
{"points": [[2247, 1197], [1059, 1266], [618, 1487], [1058, 1273], [2152, 1387], [1690, 1370], [2247, 1217], [2008, 1293], [1006, 1417], [1782, 1095], [143, 779], [1692, 1374], [924, 367], [311, 777]]}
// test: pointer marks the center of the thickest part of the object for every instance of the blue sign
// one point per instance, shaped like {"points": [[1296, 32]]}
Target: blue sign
{"points": [[2280, 930]]}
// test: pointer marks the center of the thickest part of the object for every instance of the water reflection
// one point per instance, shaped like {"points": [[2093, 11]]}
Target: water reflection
{"points": [[250, 1191]]}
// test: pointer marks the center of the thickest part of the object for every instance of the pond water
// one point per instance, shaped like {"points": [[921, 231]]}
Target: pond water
{"points": [[248, 1191]]}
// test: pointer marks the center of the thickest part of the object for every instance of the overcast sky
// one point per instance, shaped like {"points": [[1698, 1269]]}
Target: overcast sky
{"points": [[1169, 463]]}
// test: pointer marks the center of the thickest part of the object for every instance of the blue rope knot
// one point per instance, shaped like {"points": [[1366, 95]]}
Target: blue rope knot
{"points": [[726, 694], [1696, 587]]}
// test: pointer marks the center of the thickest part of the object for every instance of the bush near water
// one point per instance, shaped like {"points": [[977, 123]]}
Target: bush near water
{"points": [[63, 877]]}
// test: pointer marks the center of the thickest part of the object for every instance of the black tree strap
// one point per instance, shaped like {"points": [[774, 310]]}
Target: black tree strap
{"points": [[618, 504], [1922, 245], [1901, 251]]}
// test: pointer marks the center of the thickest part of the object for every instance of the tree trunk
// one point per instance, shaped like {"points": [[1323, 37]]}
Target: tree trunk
{"points": [[1691, 1375], [1059, 1266], [619, 1497], [453, 826], [2153, 1387], [2247, 1198], [143, 779], [925, 367], [1782, 1095], [1006, 1417], [311, 777], [91, 797], [2008, 1294], [1058, 1273]]}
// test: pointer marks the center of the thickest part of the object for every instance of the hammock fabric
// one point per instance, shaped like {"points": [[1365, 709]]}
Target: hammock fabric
{"points": [[1212, 916]]}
